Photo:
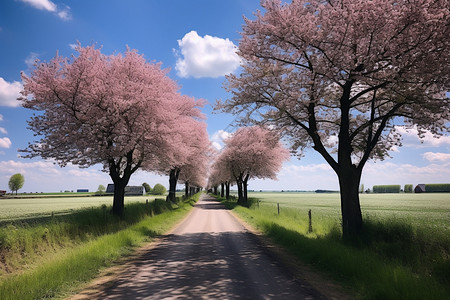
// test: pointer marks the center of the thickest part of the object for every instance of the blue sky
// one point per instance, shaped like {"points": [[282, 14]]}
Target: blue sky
{"points": [[196, 40]]}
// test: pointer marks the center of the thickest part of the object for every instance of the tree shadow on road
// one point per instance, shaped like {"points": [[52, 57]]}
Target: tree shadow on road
{"points": [[207, 265]]}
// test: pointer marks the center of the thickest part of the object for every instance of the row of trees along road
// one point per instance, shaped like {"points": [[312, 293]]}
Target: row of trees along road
{"points": [[339, 75], [251, 152], [119, 111]]}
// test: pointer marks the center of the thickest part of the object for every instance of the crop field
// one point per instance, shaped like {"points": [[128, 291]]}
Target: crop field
{"points": [[431, 209], [30, 207], [402, 252]]}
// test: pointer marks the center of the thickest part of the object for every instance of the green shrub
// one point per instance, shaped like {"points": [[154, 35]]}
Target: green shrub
{"points": [[159, 189], [147, 187], [386, 188], [408, 188]]}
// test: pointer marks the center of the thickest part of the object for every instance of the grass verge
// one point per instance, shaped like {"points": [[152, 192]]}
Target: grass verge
{"points": [[391, 260], [98, 247]]}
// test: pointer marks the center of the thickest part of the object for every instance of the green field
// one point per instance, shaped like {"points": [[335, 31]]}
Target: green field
{"points": [[55, 256], [419, 209], [41, 206], [402, 252]]}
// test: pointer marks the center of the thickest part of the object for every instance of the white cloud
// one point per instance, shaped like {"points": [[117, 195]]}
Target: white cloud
{"points": [[9, 92], [31, 59], [63, 13], [206, 56], [395, 149], [218, 138], [217, 145], [412, 139], [46, 176], [3, 130], [393, 173], [299, 177], [42, 4], [436, 157], [5, 143], [1, 117], [294, 176]]}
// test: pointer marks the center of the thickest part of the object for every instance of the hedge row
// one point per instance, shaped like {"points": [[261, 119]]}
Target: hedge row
{"points": [[386, 188], [437, 188]]}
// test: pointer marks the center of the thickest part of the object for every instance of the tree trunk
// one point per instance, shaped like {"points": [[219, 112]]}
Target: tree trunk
{"points": [[186, 189], [240, 192], [120, 178], [119, 196], [222, 187], [349, 179], [227, 192], [173, 179], [349, 175], [244, 186]]}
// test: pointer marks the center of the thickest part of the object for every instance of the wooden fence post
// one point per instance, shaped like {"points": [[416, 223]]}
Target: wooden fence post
{"points": [[310, 222], [278, 206]]}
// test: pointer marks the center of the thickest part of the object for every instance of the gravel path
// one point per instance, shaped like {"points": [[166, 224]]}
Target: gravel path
{"points": [[210, 255]]}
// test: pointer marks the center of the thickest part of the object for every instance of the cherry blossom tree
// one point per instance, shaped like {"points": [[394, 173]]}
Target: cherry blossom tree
{"points": [[194, 172], [186, 148], [252, 152], [220, 175], [338, 75], [115, 110]]}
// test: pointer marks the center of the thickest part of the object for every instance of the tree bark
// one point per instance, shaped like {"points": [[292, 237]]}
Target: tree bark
{"points": [[173, 179], [349, 180], [222, 192], [186, 189], [119, 196], [120, 182], [227, 192], [349, 175], [240, 191], [244, 186]]}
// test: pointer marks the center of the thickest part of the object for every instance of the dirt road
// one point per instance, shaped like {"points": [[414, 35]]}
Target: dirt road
{"points": [[209, 255]]}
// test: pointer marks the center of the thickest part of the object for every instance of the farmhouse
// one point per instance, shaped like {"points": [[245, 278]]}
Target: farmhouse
{"points": [[129, 190], [420, 188]]}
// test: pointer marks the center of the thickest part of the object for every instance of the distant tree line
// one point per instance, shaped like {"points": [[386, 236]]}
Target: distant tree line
{"points": [[408, 188]]}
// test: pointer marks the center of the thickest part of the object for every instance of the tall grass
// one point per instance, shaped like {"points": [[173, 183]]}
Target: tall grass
{"points": [[391, 260], [101, 239], [22, 241]]}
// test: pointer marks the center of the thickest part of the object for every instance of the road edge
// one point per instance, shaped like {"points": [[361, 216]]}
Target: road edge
{"points": [[298, 269], [108, 275]]}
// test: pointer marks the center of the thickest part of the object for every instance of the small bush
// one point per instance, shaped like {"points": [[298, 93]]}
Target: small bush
{"points": [[147, 187], [159, 189], [408, 188]]}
